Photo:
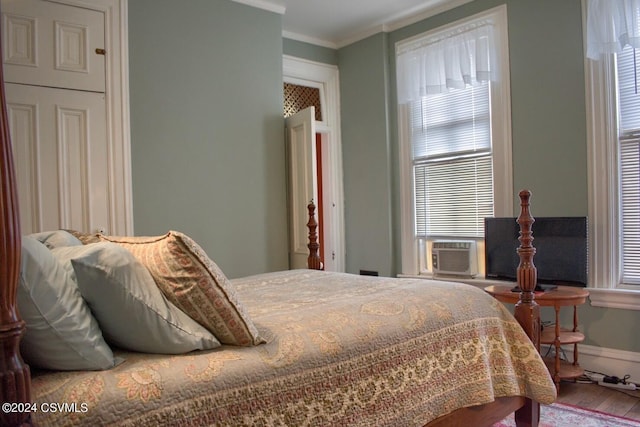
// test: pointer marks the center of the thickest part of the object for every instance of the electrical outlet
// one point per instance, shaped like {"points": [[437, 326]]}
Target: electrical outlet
{"points": [[620, 386], [368, 273]]}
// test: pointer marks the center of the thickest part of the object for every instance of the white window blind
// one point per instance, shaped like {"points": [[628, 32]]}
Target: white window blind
{"points": [[629, 154], [452, 162]]}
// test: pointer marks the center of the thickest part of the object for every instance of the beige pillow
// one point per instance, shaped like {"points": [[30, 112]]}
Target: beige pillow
{"points": [[194, 283], [85, 238]]}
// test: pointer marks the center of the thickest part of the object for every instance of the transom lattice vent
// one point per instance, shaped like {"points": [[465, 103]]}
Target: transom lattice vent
{"points": [[298, 98]]}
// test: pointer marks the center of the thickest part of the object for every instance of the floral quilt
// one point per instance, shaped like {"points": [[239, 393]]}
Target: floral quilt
{"points": [[341, 350]]}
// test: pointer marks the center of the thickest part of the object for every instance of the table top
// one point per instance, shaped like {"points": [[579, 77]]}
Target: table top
{"points": [[563, 295]]}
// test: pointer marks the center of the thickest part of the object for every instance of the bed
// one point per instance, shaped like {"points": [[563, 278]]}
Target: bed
{"points": [[306, 347]]}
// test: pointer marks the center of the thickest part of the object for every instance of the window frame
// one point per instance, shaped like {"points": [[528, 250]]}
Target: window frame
{"points": [[412, 250], [605, 259]]}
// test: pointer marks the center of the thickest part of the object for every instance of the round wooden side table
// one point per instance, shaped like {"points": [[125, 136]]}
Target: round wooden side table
{"points": [[562, 296]]}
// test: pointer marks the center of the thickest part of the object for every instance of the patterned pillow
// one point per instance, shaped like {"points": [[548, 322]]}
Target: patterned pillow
{"points": [[194, 283], [85, 238]]}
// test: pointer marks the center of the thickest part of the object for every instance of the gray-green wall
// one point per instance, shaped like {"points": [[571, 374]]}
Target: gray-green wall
{"points": [[310, 52], [548, 104], [366, 151], [548, 133], [207, 134]]}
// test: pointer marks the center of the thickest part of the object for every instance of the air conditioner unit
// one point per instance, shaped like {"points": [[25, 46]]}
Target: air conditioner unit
{"points": [[454, 258]]}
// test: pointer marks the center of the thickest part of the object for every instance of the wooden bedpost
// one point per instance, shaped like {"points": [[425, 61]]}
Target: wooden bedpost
{"points": [[313, 261], [527, 311], [15, 377]]}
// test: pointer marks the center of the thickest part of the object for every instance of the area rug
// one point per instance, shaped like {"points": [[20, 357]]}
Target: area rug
{"points": [[561, 415]]}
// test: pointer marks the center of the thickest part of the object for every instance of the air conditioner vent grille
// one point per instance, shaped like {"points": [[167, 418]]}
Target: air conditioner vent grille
{"points": [[455, 258]]}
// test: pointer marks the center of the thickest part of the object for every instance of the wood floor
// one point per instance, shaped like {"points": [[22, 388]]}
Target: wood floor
{"points": [[592, 396]]}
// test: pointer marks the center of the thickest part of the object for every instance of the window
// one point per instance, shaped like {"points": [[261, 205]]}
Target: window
{"points": [[454, 134], [629, 154], [613, 118]]}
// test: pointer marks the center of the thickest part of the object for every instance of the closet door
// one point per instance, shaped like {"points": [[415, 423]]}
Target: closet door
{"points": [[303, 187], [54, 45], [58, 139], [54, 65]]}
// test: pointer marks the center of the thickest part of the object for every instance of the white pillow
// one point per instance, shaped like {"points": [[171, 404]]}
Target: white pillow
{"points": [[61, 332], [132, 312], [56, 239]]}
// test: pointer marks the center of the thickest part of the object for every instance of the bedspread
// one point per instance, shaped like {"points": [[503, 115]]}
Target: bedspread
{"points": [[341, 350]]}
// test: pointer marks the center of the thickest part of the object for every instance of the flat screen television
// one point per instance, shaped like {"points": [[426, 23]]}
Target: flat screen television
{"points": [[561, 249]]}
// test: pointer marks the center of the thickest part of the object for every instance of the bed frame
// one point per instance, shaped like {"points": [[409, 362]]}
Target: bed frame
{"points": [[527, 313], [15, 377]]}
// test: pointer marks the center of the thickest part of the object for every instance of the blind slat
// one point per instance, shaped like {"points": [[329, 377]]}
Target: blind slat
{"points": [[627, 63], [453, 122], [630, 209], [628, 68], [453, 197]]}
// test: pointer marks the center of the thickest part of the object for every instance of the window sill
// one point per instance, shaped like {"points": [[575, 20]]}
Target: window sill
{"points": [[615, 298]]}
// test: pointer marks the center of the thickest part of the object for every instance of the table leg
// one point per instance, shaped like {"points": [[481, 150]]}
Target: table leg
{"points": [[575, 329], [556, 371]]}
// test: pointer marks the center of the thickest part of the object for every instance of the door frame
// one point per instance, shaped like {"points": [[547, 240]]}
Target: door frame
{"points": [[117, 107], [325, 77]]}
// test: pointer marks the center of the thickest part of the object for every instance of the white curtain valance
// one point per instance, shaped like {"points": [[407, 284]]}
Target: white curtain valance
{"points": [[434, 65], [611, 25]]}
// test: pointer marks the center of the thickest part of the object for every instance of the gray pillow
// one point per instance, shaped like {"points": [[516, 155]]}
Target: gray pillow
{"points": [[56, 239], [131, 310], [61, 332]]}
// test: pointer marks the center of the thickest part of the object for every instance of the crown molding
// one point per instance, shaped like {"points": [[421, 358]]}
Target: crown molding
{"points": [[363, 34], [392, 23], [272, 6], [418, 14], [308, 39]]}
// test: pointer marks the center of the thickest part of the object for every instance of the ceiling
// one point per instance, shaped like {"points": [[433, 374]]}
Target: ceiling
{"points": [[337, 23]]}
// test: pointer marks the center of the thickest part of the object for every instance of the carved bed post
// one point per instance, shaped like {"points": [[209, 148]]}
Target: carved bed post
{"points": [[15, 377], [527, 311], [313, 261]]}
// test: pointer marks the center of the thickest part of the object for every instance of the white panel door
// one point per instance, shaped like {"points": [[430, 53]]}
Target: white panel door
{"points": [[302, 182], [58, 139], [55, 90], [54, 45]]}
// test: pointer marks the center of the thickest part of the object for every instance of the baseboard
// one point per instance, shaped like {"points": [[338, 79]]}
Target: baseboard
{"points": [[608, 361]]}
